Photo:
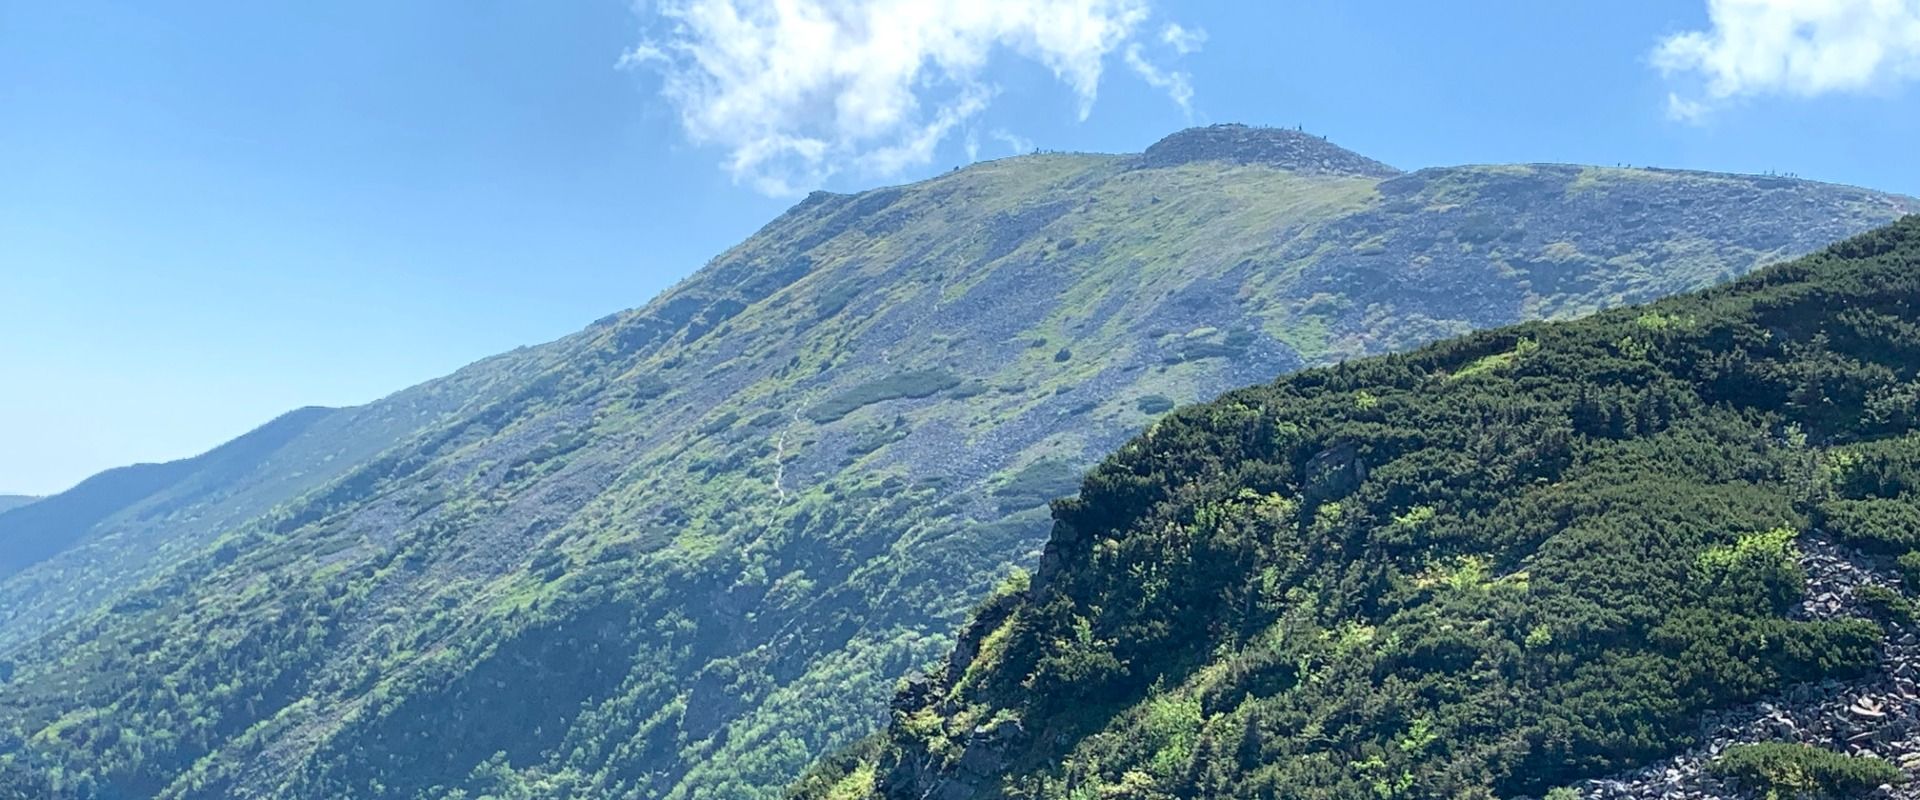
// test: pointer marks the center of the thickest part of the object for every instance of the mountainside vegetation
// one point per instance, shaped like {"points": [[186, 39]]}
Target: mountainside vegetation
{"points": [[78, 551], [39, 532], [8, 502], [683, 552], [1493, 567]]}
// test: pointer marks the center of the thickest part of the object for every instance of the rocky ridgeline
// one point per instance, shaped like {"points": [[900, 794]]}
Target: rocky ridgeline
{"points": [[1552, 240], [1242, 144], [1877, 715]]}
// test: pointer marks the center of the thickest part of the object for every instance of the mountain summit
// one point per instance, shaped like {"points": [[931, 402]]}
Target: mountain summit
{"points": [[680, 553], [1275, 147]]}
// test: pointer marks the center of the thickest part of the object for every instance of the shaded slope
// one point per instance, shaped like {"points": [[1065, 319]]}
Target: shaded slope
{"points": [[75, 552], [8, 502], [682, 552], [1496, 565], [34, 534]]}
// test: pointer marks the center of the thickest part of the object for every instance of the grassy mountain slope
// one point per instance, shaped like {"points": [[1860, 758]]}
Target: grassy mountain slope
{"points": [[1483, 569], [694, 547], [79, 550], [42, 531]]}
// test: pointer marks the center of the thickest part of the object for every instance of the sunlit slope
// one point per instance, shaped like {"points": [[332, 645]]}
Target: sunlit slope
{"points": [[1495, 566], [695, 547], [77, 551]]}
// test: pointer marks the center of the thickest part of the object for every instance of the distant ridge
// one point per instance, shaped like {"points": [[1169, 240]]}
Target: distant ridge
{"points": [[32, 532], [1276, 147], [9, 502]]}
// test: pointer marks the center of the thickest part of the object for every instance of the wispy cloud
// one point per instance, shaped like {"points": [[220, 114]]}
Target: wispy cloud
{"points": [[795, 91], [1800, 48], [1182, 39], [1016, 144], [1177, 85]]}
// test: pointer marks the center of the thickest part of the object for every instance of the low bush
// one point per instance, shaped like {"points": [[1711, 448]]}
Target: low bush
{"points": [[905, 385], [1887, 603], [1154, 404], [1783, 771]]}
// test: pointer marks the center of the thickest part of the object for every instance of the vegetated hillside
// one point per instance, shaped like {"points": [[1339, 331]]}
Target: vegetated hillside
{"points": [[37, 533], [696, 546], [75, 552], [1492, 567], [9, 502]]}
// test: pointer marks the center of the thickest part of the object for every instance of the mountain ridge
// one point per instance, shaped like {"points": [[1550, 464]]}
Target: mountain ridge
{"points": [[1278, 147], [1527, 560], [147, 532], [44, 529], [699, 538]]}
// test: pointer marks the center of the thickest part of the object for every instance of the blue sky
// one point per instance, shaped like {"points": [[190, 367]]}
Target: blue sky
{"points": [[213, 212]]}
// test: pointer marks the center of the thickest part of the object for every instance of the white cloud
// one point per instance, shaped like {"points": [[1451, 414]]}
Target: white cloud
{"points": [[1797, 48], [1016, 144], [796, 91], [1177, 85], [1685, 110], [1183, 40]]}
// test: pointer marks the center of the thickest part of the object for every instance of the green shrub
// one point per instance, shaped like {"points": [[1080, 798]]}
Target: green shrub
{"points": [[1783, 771], [1887, 468], [1760, 569], [1887, 603], [873, 438], [1910, 569], [1884, 526], [1036, 483], [1377, 582], [649, 386], [1154, 404], [719, 423], [905, 385]]}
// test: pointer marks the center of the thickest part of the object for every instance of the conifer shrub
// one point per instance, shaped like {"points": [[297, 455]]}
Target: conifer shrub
{"points": [[1792, 771]]}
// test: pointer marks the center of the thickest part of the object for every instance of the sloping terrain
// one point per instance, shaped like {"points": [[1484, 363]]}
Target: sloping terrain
{"points": [[74, 552], [8, 502], [684, 551], [1500, 565], [37, 533]]}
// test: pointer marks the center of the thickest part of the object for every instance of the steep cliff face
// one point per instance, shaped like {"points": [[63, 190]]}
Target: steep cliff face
{"points": [[1527, 559], [682, 552]]}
